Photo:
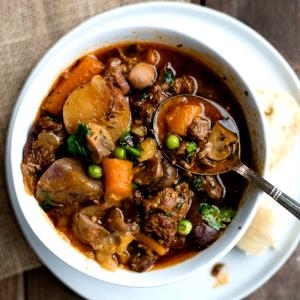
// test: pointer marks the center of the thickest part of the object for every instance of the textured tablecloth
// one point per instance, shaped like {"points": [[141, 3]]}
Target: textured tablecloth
{"points": [[27, 29]]}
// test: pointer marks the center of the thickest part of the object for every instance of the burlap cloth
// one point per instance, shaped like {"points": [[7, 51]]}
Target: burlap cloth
{"points": [[27, 29]]}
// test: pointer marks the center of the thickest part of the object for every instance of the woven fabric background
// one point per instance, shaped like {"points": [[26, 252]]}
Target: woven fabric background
{"points": [[27, 29]]}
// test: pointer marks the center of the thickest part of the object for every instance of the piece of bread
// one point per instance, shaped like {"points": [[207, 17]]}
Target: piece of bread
{"points": [[282, 112], [283, 119]]}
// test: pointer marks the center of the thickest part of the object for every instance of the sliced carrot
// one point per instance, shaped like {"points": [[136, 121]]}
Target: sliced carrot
{"points": [[117, 179], [83, 72], [181, 117]]}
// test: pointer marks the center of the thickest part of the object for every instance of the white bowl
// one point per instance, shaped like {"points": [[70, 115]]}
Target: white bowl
{"points": [[89, 36]]}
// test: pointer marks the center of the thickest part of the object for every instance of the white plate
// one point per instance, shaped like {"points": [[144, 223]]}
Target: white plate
{"points": [[262, 67]]}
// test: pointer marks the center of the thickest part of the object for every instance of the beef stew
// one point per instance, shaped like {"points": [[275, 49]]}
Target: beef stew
{"points": [[92, 162]]}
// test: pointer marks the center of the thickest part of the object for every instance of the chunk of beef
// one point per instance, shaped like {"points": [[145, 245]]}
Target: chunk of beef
{"points": [[158, 93], [141, 261], [66, 181], [41, 148], [200, 128], [171, 201], [185, 85], [162, 225], [202, 235], [214, 187], [170, 176], [148, 172], [137, 197], [185, 195], [165, 200], [99, 142], [179, 242], [145, 110], [165, 209], [116, 70]]}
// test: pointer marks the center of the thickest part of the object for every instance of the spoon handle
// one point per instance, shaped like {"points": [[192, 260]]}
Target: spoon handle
{"points": [[290, 204]]}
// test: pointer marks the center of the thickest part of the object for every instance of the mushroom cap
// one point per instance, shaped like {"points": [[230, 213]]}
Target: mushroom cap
{"points": [[142, 75], [222, 140]]}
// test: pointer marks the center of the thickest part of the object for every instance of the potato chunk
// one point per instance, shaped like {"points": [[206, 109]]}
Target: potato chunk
{"points": [[83, 72], [98, 101]]}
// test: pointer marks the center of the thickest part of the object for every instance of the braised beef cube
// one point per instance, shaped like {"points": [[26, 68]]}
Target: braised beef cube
{"points": [[200, 128], [162, 225], [185, 85], [170, 176], [141, 261], [148, 172], [41, 148], [214, 187]]}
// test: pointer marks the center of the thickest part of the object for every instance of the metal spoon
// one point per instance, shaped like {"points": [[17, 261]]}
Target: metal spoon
{"points": [[231, 163]]}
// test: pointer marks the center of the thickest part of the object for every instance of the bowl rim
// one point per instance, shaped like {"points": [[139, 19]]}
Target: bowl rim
{"points": [[43, 62]]}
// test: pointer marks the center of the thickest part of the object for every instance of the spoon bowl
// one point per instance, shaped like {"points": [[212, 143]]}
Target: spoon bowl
{"points": [[224, 128]]}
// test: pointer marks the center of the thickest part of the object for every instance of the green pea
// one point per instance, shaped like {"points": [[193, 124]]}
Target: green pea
{"points": [[120, 152], [172, 142], [95, 171], [184, 227]]}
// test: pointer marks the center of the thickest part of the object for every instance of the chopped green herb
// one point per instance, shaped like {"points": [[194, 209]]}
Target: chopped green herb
{"points": [[169, 77], [168, 214], [134, 185], [145, 95], [216, 217], [190, 150], [47, 204], [77, 142], [197, 183]]}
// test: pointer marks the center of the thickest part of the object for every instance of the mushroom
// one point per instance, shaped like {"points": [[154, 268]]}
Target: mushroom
{"points": [[105, 243], [152, 57], [222, 140], [142, 75]]}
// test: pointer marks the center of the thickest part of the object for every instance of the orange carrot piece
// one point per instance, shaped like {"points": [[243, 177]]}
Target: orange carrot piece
{"points": [[83, 72], [117, 179], [181, 117]]}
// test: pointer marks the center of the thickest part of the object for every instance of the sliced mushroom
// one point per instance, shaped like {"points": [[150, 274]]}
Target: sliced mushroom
{"points": [[222, 140], [142, 75]]}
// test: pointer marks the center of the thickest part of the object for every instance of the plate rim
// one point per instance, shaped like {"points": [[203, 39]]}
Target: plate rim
{"points": [[202, 9]]}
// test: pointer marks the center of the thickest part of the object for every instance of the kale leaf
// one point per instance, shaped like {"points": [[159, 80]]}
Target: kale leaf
{"points": [[47, 204], [169, 77], [197, 183], [215, 217], [77, 142]]}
